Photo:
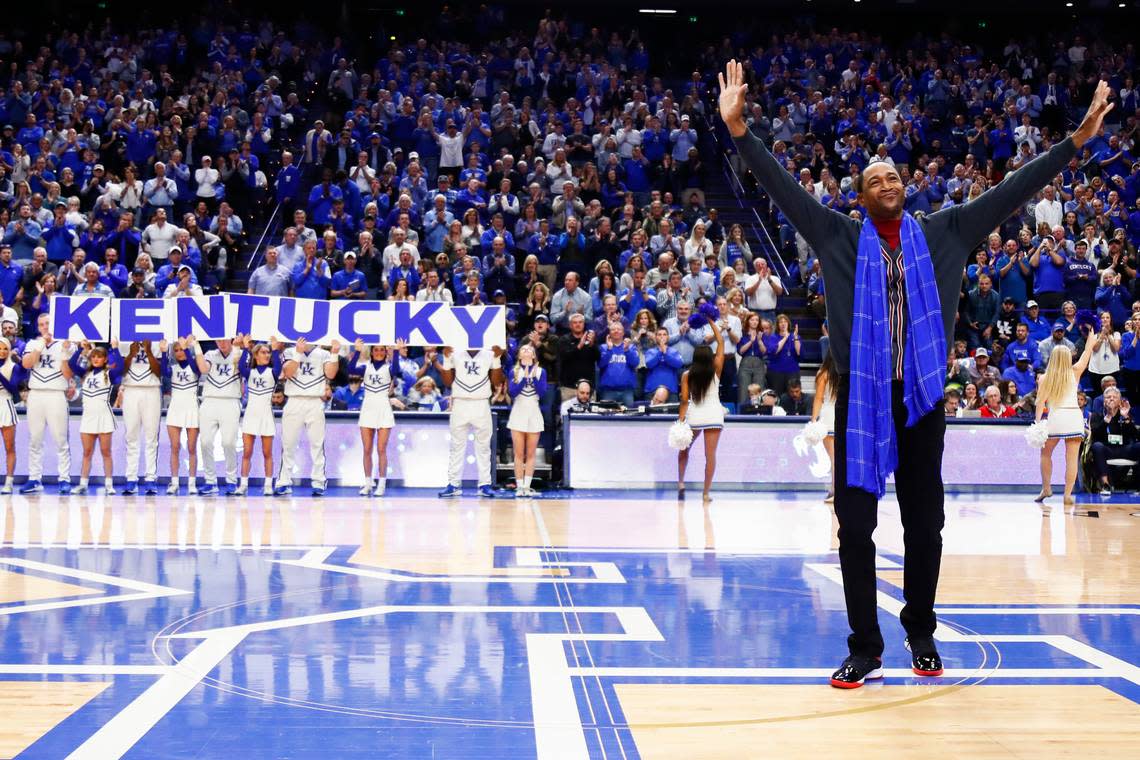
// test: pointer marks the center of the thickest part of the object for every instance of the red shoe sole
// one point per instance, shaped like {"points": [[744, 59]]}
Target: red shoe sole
{"points": [[846, 684], [931, 673]]}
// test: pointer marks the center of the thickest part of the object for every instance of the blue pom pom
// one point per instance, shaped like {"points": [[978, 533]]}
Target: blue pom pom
{"points": [[1090, 318], [697, 321]]}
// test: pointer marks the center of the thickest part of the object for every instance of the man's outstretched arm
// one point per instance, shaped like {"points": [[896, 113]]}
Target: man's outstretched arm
{"points": [[811, 218], [978, 217]]}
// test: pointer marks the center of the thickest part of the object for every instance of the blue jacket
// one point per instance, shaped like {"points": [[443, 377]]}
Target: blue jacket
{"points": [[315, 284], [617, 367], [664, 370]]}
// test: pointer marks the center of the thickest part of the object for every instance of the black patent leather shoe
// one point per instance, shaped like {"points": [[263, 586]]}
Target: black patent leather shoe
{"points": [[855, 670], [924, 659]]}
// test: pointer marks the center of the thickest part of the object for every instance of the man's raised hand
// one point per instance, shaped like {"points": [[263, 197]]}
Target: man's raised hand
{"points": [[732, 91], [1094, 117]]}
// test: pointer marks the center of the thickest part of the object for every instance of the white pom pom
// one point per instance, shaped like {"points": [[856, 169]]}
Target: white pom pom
{"points": [[1037, 434], [814, 432], [680, 435]]}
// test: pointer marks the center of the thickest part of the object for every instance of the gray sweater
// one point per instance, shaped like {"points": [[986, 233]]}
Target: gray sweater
{"points": [[950, 234]]}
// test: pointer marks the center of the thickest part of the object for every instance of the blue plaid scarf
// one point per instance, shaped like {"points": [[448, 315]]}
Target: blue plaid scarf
{"points": [[872, 449]]}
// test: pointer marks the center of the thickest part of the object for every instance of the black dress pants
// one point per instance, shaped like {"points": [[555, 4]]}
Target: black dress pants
{"points": [[918, 487]]}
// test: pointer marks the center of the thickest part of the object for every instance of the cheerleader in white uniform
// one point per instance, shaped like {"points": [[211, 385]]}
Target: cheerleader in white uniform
{"points": [[96, 371], [12, 374], [701, 408], [260, 367], [181, 367], [1058, 392], [823, 410], [526, 385], [376, 417]]}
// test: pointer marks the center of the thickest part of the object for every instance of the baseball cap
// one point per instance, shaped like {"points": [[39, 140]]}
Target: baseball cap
{"points": [[1021, 355], [349, 255], [685, 117], [98, 168], [1058, 325], [413, 155], [1008, 299], [1031, 304], [542, 317], [498, 293], [186, 267], [60, 204], [139, 271], [981, 352], [374, 136]]}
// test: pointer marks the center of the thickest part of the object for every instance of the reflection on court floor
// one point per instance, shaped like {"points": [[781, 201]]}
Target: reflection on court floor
{"points": [[585, 626]]}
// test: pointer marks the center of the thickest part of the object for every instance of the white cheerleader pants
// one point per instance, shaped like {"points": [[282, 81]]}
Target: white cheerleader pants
{"points": [[47, 410], [470, 415], [142, 414], [218, 415], [303, 413]]}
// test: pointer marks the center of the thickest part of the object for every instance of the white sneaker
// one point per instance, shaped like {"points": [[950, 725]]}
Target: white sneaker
{"points": [[240, 490], [6, 489], [267, 489], [366, 489], [172, 489], [191, 487], [379, 490]]}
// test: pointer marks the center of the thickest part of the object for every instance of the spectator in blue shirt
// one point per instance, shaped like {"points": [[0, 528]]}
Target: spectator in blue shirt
{"points": [[637, 297], [1013, 272], [1023, 342], [1021, 373], [617, 367], [664, 365], [1039, 327], [287, 184], [350, 282], [113, 274], [322, 197], [11, 278], [23, 235], [683, 140], [311, 277], [1081, 278], [1114, 298], [1048, 261], [271, 278], [349, 397]]}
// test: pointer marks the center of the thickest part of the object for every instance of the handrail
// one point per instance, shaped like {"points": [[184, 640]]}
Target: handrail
{"points": [[255, 254], [759, 229]]}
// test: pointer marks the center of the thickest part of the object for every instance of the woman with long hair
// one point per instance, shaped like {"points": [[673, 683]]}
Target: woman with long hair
{"points": [[180, 367], [376, 417], [97, 370], [260, 367], [823, 410], [971, 399], [701, 407], [783, 354], [1058, 392], [12, 373], [527, 385]]}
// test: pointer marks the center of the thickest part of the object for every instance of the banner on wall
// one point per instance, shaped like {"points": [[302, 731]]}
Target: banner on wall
{"points": [[427, 323]]}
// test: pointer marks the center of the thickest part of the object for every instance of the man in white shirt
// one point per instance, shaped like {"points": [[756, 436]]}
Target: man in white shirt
{"points": [[762, 289], [399, 245], [1049, 209], [307, 369], [158, 237], [451, 149], [433, 290]]}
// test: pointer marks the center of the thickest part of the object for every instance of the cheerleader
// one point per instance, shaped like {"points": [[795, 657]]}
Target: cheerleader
{"points": [[527, 384], [180, 366], [260, 367], [823, 411], [12, 373], [376, 418], [97, 371]]}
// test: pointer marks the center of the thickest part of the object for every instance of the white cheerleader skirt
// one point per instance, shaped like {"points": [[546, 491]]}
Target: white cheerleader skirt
{"points": [[182, 413], [7, 413], [1066, 422], [827, 417], [526, 416], [376, 415], [259, 424], [97, 419]]}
